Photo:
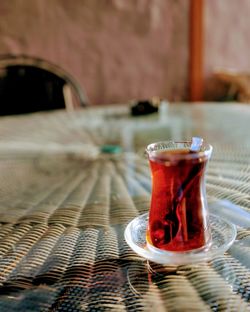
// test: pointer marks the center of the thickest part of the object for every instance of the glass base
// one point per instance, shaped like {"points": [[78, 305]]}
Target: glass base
{"points": [[223, 234]]}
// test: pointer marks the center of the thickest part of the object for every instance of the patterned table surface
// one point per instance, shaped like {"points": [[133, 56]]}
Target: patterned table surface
{"points": [[64, 207]]}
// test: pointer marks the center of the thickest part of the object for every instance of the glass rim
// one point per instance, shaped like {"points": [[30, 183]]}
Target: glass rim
{"points": [[152, 150]]}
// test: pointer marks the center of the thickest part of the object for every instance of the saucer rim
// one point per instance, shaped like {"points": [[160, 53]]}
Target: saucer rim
{"points": [[181, 258]]}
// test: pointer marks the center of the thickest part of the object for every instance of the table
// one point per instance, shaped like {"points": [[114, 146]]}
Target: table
{"points": [[64, 207]]}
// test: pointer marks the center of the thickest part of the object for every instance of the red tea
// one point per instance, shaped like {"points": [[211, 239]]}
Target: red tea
{"points": [[178, 217]]}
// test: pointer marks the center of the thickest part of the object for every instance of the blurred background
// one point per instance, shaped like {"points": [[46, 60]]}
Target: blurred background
{"points": [[120, 50]]}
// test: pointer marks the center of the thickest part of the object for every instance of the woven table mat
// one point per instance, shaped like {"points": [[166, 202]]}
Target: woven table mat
{"points": [[66, 249]]}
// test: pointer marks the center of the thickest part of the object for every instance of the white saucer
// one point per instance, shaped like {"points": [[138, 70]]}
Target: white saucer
{"points": [[223, 236]]}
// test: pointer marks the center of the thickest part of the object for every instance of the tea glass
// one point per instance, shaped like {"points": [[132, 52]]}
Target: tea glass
{"points": [[178, 216]]}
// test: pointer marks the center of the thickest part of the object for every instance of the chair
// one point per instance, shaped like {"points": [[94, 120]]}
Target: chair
{"points": [[236, 85], [29, 84]]}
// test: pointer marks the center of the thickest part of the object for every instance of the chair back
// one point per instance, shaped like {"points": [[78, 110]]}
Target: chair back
{"points": [[29, 84]]}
